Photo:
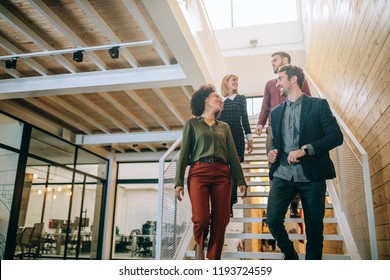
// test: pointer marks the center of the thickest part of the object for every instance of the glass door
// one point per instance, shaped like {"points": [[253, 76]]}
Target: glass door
{"points": [[85, 217]]}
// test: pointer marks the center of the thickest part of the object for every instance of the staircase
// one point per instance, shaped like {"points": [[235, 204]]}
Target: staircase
{"points": [[245, 228]]}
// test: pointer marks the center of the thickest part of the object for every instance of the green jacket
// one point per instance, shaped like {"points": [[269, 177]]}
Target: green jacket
{"points": [[201, 140]]}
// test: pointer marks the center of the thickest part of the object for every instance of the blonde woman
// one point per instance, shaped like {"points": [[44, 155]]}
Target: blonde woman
{"points": [[234, 113]]}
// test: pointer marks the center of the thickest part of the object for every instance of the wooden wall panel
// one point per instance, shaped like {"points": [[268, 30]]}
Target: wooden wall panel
{"points": [[348, 56]]}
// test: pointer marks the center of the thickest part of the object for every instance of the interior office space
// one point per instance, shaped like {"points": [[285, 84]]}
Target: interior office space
{"points": [[90, 101]]}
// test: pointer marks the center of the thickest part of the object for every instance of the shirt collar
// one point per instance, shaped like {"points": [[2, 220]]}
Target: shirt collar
{"points": [[200, 118], [297, 102], [231, 97]]}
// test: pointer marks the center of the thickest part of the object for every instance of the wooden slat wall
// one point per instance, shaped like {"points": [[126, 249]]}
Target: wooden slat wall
{"points": [[348, 57]]}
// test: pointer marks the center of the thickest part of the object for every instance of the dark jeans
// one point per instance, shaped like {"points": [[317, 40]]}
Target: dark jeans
{"points": [[313, 202], [268, 147]]}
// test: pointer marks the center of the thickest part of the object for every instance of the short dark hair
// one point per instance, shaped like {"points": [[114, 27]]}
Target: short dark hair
{"points": [[199, 97], [282, 55], [292, 70]]}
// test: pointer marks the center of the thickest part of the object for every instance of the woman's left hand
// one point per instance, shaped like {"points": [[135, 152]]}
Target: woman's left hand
{"points": [[243, 190]]}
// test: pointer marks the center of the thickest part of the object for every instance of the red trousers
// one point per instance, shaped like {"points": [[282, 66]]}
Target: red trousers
{"points": [[209, 185]]}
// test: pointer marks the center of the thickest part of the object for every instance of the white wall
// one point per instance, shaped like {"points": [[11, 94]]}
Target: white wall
{"points": [[134, 207]]}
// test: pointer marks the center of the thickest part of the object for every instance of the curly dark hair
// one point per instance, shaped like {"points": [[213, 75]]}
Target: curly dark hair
{"points": [[199, 97]]}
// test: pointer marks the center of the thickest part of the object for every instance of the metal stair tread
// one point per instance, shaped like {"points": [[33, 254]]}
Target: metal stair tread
{"points": [[269, 255], [257, 194], [287, 220], [255, 174], [258, 183], [255, 158], [254, 166], [264, 206], [292, 236]]}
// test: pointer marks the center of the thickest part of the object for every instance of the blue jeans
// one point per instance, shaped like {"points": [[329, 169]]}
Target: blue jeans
{"points": [[313, 202]]}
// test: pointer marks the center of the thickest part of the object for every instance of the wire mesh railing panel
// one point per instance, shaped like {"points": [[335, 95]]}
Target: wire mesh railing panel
{"points": [[353, 187], [176, 215], [352, 198]]}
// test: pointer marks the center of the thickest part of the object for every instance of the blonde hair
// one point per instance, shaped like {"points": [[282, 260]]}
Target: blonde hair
{"points": [[224, 87]]}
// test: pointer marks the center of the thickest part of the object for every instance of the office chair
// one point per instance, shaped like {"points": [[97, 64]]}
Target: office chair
{"points": [[49, 244]]}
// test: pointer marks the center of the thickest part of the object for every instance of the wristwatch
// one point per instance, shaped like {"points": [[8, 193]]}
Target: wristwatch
{"points": [[305, 149]]}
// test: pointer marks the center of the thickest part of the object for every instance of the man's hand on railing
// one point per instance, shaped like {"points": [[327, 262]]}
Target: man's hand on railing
{"points": [[179, 192]]}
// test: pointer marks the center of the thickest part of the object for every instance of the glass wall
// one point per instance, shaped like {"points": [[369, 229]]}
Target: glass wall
{"points": [[136, 211], [10, 139], [8, 165], [61, 193]]}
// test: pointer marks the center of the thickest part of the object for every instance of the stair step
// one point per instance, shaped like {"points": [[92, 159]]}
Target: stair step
{"points": [[264, 206], [257, 152], [254, 166], [259, 139], [265, 194], [268, 255], [255, 174], [257, 194], [255, 158], [287, 220], [250, 206], [292, 236], [257, 183]]}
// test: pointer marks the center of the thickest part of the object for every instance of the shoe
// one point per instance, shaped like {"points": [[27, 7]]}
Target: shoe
{"points": [[294, 210], [291, 256]]}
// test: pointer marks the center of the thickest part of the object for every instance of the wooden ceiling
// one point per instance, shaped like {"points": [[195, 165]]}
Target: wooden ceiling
{"points": [[145, 90]]}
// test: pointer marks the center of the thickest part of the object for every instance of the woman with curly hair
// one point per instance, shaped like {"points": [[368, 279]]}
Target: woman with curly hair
{"points": [[208, 147]]}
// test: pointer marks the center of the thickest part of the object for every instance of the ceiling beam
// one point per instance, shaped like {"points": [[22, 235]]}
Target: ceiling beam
{"points": [[118, 148], [30, 116], [29, 61], [167, 15], [124, 110], [169, 105], [79, 113], [14, 73], [133, 9], [29, 33], [144, 156], [57, 114], [106, 30], [128, 138], [98, 81], [135, 148], [186, 92], [151, 147], [147, 108], [85, 101], [64, 28]]}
